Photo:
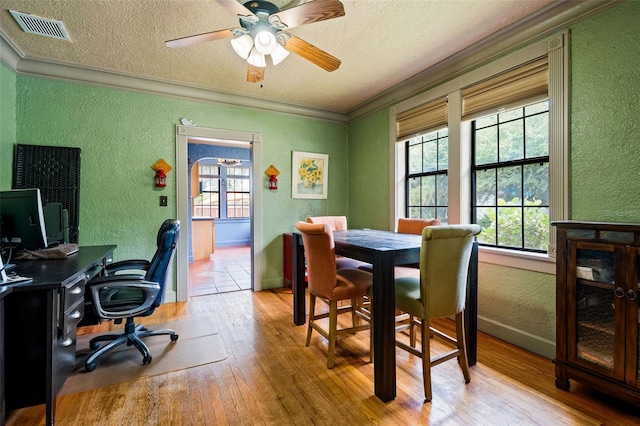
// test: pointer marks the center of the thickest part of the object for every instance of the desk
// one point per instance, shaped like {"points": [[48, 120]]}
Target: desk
{"points": [[40, 320], [384, 250]]}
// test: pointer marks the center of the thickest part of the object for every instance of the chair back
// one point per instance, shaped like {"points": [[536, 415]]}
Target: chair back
{"points": [[319, 248], [337, 223], [444, 263], [160, 265], [415, 226]]}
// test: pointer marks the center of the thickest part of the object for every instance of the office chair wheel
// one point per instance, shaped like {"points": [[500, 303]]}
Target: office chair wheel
{"points": [[174, 337], [146, 360], [90, 367]]}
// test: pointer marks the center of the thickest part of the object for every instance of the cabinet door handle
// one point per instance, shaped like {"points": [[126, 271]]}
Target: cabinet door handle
{"points": [[75, 315], [76, 290], [67, 342], [619, 292], [631, 295]]}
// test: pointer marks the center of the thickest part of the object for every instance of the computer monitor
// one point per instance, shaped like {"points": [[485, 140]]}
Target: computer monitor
{"points": [[56, 223], [22, 219]]}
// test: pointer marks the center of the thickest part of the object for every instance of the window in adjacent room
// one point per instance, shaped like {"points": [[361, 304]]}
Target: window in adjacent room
{"points": [[237, 190], [510, 177], [207, 203]]}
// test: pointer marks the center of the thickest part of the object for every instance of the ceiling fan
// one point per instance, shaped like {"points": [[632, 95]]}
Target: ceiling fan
{"points": [[263, 32]]}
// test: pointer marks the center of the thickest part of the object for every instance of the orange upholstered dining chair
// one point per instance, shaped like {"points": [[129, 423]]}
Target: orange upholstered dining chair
{"points": [[337, 223], [331, 286]]}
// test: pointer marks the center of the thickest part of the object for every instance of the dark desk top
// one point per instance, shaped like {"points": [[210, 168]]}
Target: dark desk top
{"points": [[52, 273]]}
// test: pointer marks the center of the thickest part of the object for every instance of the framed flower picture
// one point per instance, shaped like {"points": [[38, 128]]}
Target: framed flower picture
{"points": [[309, 173]]}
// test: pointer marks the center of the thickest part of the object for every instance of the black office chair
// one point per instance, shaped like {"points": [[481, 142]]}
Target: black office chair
{"points": [[126, 296]]}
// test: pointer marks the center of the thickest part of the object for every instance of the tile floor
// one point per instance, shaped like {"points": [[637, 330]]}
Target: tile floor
{"points": [[229, 269]]}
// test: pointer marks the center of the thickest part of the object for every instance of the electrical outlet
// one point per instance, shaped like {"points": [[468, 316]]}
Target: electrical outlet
{"points": [[163, 201]]}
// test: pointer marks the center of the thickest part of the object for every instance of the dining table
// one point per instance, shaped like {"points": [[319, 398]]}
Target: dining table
{"points": [[383, 250]]}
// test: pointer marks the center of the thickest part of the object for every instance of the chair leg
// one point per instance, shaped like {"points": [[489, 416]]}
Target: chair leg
{"points": [[462, 346], [426, 359], [333, 327], [356, 304], [412, 331], [312, 312]]}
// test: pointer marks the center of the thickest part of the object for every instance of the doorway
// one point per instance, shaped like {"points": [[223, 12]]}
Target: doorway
{"points": [[186, 135]]}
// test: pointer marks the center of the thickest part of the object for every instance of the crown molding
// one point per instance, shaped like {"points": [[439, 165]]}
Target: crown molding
{"points": [[555, 17], [20, 64]]}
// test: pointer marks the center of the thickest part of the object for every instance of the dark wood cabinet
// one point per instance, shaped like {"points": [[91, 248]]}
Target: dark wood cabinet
{"points": [[597, 290]]}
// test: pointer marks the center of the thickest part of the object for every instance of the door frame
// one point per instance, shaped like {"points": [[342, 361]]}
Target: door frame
{"points": [[204, 135]]}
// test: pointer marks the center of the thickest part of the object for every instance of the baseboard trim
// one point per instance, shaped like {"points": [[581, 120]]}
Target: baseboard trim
{"points": [[520, 338]]}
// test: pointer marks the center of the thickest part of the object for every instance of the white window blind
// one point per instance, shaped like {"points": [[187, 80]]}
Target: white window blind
{"points": [[527, 83], [429, 116]]}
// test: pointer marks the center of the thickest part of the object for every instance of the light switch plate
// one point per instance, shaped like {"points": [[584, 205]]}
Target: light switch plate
{"points": [[163, 201]]}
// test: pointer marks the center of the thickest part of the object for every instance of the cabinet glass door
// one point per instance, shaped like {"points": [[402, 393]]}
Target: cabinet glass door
{"points": [[596, 328]]}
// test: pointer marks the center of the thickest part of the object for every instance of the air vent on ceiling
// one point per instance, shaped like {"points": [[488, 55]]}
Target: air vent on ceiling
{"points": [[42, 26]]}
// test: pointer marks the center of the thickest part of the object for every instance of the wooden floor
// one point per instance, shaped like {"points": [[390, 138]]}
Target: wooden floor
{"points": [[271, 378]]}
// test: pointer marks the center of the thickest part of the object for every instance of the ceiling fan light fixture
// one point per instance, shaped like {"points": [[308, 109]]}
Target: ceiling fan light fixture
{"points": [[279, 54], [265, 42], [256, 59], [242, 45]]}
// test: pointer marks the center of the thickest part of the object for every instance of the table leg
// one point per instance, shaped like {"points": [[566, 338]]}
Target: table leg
{"points": [[298, 284], [384, 348]]}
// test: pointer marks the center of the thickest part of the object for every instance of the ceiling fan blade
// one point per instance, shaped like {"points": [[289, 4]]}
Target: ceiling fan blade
{"points": [[236, 7], [200, 38], [318, 10], [311, 53], [255, 74]]}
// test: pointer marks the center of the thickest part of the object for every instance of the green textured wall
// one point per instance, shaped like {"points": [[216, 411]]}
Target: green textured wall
{"points": [[122, 133], [7, 124], [605, 149], [605, 116], [369, 172]]}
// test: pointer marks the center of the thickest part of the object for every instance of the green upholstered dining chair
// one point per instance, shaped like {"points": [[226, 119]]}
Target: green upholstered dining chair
{"points": [[440, 291], [331, 286]]}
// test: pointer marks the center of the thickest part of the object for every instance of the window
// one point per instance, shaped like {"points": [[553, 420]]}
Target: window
{"points": [[238, 186], [510, 178], [427, 186], [507, 141], [207, 203], [224, 192]]}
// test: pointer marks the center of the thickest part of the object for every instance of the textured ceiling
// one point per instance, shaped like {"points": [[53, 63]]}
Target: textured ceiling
{"points": [[380, 42]]}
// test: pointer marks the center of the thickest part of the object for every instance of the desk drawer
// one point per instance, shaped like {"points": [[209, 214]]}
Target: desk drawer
{"points": [[73, 293], [72, 317]]}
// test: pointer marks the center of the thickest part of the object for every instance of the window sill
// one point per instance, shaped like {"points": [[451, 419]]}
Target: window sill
{"points": [[537, 262]]}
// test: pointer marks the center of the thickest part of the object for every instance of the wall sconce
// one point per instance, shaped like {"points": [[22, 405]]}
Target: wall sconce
{"points": [[273, 173], [161, 168]]}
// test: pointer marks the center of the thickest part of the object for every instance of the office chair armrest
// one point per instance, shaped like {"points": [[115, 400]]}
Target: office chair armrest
{"points": [[121, 296], [133, 265]]}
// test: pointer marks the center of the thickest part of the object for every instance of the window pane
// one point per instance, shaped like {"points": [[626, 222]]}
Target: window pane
{"points": [[237, 205], [486, 146], [486, 218], [486, 121], [210, 185], [510, 115], [414, 192], [443, 193], [510, 226], [537, 135], [536, 183], [443, 214], [486, 187], [428, 191], [415, 158], [414, 212], [536, 108], [430, 156], [443, 153], [511, 141], [428, 213], [510, 185], [536, 228]]}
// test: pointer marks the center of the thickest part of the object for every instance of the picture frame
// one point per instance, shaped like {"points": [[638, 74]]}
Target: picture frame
{"points": [[309, 175]]}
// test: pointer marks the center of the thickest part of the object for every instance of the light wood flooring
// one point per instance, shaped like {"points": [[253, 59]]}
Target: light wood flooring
{"points": [[271, 378]]}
